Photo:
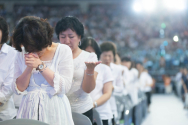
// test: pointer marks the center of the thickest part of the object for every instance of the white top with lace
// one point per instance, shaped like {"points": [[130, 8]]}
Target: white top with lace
{"points": [[80, 101]]}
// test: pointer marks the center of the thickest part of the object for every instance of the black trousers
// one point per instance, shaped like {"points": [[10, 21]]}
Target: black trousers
{"points": [[105, 122], [89, 114], [148, 95], [113, 120]]}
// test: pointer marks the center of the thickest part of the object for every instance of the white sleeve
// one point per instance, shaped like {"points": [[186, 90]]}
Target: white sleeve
{"points": [[107, 75], [150, 80], [63, 78], [118, 87], [6, 90], [17, 73]]}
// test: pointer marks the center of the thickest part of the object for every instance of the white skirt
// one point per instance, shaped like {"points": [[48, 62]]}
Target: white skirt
{"points": [[39, 106]]}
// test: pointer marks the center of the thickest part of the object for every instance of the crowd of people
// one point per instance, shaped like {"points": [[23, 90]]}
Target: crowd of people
{"points": [[74, 74], [138, 36], [181, 85]]}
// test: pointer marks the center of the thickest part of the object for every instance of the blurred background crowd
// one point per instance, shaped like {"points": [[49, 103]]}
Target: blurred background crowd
{"points": [[158, 39]]}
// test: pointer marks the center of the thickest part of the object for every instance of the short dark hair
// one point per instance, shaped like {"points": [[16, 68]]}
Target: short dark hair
{"points": [[89, 41], [69, 22], [126, 59], [33, 33], [108, 46], [4, 29]]}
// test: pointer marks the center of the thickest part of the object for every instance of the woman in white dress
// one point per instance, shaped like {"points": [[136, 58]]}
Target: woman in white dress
{"points": [[103, 89], [70, 31], [43, 73]]}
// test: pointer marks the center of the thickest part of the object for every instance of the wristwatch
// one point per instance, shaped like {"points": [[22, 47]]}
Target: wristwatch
{"points": [[40, 67]]}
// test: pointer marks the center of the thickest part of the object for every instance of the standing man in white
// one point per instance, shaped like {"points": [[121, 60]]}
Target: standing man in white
{"points": [[7, 57]]}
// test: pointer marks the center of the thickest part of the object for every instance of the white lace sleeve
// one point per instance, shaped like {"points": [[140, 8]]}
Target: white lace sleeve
{"points": [[17, 73], [63, 78]]}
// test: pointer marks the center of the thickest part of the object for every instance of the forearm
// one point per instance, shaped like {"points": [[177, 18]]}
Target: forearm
{"points": [[88, 84], [22, 81], [48, 74]]}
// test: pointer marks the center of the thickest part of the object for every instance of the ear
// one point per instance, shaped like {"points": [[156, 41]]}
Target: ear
{"points": [[79, 37]]}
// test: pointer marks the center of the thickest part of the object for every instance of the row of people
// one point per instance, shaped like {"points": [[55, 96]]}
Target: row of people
{"points": [[57, 78]]}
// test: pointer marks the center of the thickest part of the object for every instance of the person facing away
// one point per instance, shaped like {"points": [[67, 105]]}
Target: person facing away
{"points": [[43, 73], [70, 31], [7, 57], [103, 89], [107, 57]]}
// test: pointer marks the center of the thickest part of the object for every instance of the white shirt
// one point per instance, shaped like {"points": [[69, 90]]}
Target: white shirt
{"points": [[104, 76], [41, 101], [117, 84], [133, 85], [145, 79], [7, 58], [80, 101]]}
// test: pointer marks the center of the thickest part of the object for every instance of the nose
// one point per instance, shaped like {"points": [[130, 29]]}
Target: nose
{"points": [[67, 40]]}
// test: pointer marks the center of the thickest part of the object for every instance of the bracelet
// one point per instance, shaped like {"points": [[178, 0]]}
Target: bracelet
{"points": [[43, 69], [95, 103], [89, 74]]}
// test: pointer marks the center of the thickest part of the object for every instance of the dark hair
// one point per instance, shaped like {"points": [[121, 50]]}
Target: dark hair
{"points": [[126, 59], [89, 41], [108, 46], [69, 22], [4, 29], [33, 33], [133, 64], [138, 62]]}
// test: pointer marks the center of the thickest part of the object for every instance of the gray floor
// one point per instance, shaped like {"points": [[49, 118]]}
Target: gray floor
{"points": [[166, 110]]}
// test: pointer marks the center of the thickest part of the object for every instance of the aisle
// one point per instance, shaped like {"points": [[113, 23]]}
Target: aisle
{"points": [[166, 110]]}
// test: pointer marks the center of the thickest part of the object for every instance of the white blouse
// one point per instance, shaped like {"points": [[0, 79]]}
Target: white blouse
{"points": [[7, 57], [80, 101], [41, 101], [117, 84], [104, 76], [145, 79]]}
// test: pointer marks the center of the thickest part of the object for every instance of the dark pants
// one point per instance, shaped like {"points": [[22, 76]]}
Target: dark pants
{"points": [[113, 120], [105, 122], [148, 95], [89, 114]]}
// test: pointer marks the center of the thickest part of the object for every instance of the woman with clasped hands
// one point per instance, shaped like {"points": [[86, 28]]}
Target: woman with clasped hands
{"points": [[43, 73]]}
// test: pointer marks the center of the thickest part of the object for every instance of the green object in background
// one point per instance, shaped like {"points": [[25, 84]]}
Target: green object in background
{"points": [[132, 123], [163, 25], [121, 121]]}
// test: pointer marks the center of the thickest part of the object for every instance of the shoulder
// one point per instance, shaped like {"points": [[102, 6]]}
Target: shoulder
{"points": [[103, 67], [12, 51], [64, 48]]}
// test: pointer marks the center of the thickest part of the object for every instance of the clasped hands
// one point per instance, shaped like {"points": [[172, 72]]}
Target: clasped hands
{"points": [[32, 60]]}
